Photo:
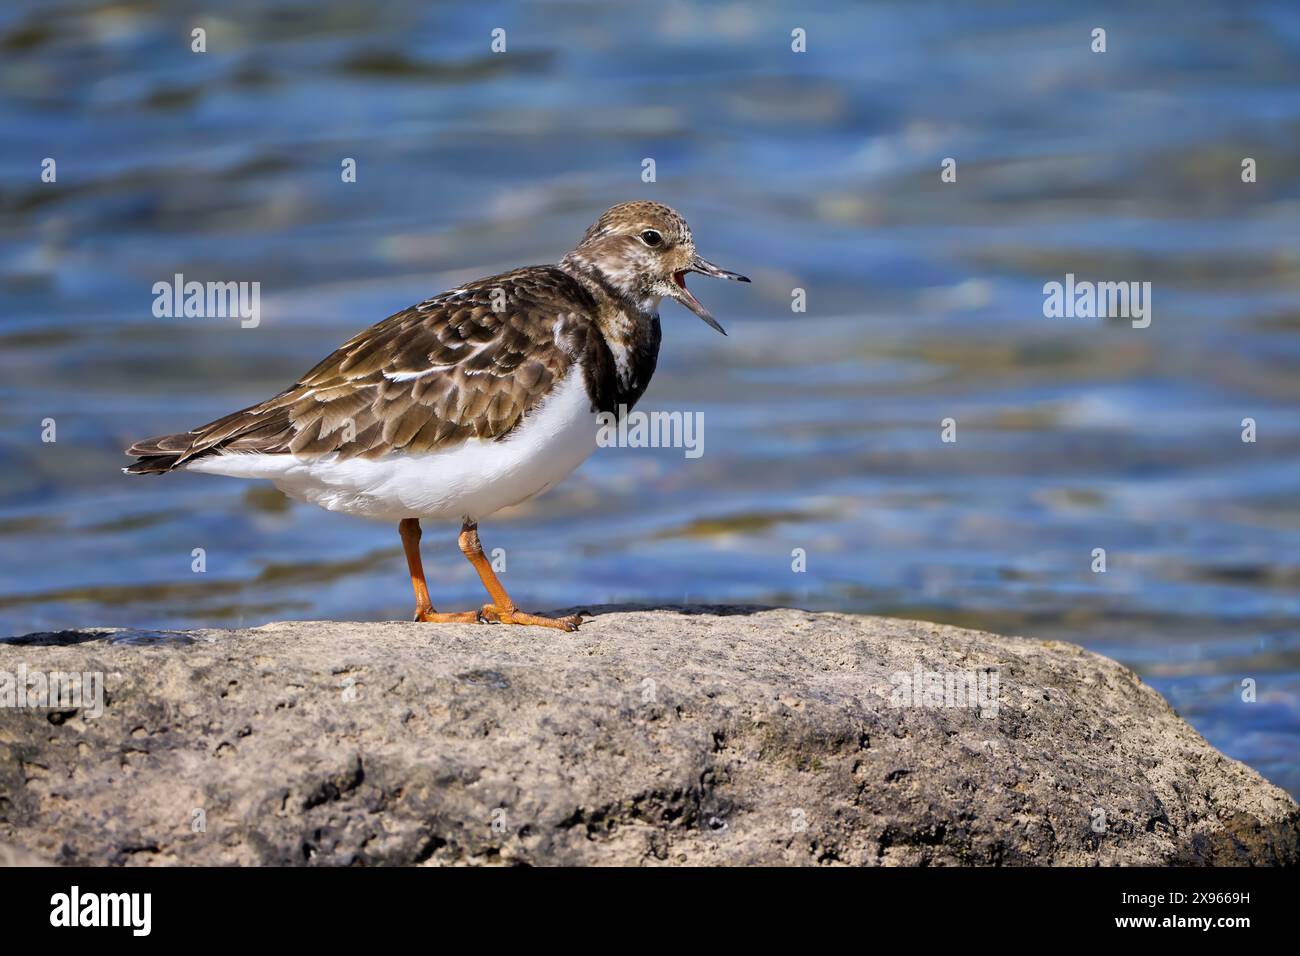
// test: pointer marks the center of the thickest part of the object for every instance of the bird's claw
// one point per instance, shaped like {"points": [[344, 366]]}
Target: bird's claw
{"points": [[495, 615]]}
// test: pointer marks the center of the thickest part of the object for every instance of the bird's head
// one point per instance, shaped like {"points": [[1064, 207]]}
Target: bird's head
{"points": [[644, 250]]}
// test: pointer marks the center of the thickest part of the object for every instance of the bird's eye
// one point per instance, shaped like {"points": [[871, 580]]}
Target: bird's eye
{"points": [[651, 238]]}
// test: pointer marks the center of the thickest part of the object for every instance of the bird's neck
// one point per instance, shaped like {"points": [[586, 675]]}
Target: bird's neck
{"points": [[615, 289], [628, 320]]}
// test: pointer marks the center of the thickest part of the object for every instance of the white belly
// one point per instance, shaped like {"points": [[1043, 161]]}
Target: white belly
{"points": [[471, 481]]}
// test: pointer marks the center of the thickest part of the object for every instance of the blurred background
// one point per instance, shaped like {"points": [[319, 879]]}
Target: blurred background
{"points": [[817, 171]]}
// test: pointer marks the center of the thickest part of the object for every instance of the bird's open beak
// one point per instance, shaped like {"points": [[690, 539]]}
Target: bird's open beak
{"points": [[705, 268]]}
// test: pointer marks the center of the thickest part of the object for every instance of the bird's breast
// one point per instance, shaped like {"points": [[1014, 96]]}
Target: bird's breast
{"points": [[619, 363]]}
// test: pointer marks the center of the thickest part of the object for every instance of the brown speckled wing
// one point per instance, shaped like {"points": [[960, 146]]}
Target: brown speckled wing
{"points": [[469, 363]]}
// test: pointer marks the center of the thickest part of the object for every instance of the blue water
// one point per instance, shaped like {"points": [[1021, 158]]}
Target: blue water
{"points": [[818, 171]]}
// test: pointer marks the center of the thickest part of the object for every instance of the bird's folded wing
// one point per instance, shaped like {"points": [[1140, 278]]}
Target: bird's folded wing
{"points": [[465, 364]]}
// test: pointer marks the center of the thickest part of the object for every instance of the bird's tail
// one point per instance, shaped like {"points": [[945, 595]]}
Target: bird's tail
{"points": [[160, 455], [265, 427]]}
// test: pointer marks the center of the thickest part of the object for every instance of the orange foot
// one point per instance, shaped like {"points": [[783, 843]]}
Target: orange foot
{"points": [[430, 616], [512, 615]]}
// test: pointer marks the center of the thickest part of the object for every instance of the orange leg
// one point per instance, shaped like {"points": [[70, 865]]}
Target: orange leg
{"points": [[502, 610], [409, 528]]}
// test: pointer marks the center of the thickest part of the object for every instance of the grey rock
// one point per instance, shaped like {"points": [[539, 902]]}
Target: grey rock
{"points": [[684, 736]]}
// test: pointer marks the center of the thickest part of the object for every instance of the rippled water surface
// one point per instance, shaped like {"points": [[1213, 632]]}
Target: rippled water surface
{"points": [[818, 171]]}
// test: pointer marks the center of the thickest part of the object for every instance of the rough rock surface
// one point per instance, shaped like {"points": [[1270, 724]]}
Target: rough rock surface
{"points": [[688, 736]]}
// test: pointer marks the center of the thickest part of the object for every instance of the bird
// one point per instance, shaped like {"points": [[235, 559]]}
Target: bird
{"points": [[475, 399]]}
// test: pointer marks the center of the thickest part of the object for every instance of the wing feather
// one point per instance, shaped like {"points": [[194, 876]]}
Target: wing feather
{"points": [[430, 377]]}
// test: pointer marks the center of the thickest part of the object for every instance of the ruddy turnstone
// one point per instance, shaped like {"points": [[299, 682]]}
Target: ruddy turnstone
{"points": [[471, 401]]}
